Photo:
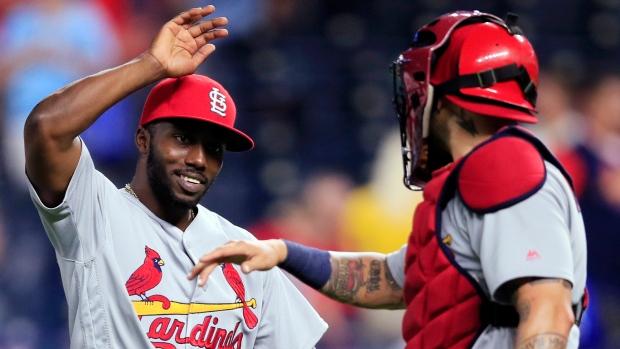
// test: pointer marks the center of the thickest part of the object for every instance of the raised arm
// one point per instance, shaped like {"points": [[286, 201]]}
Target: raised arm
{"points": [[362, 279], [52, 128]]}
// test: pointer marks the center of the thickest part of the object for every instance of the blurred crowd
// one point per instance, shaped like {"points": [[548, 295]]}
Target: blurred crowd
{"points": [[312, 87]]}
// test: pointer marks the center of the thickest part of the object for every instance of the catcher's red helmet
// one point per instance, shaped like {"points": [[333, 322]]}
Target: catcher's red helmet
{"points": [[474, 59]]}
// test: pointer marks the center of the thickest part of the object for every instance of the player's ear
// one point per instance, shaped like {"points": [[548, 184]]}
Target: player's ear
{"points": [[439, 104], [143, 138]]}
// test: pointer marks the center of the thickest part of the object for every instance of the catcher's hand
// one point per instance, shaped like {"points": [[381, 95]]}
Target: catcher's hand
{"points": [[251, 255]]}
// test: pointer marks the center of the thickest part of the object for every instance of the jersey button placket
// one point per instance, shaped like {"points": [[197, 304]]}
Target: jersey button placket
{"points": [[188, 245]]}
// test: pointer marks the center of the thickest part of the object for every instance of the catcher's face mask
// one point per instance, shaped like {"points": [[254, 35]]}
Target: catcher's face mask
{"points": [[415, 97]]}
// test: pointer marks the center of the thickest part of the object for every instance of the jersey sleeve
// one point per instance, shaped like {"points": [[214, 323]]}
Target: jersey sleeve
{"points": [[396, 263], [288, 320], [75, 226], [528, 239]]}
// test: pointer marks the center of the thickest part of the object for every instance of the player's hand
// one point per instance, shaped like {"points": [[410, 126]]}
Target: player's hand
{"points": [[182, 44], [251, 255]]}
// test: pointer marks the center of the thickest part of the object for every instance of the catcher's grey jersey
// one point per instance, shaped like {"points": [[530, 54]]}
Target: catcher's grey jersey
{"points": [[124, 272], [542, 236]]}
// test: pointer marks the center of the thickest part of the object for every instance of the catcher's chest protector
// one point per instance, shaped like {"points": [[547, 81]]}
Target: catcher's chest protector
{"points": [[445, 305], [442, 305]]}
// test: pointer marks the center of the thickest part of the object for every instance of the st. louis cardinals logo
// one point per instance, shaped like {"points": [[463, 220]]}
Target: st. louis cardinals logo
{"points": [[218, 102], [165, 327], [234, 280], [147, 276]]}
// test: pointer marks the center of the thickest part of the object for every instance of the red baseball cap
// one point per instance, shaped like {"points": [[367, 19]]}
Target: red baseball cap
{"points": [[196, 97]]}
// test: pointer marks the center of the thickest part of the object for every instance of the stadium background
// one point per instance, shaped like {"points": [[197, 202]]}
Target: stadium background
{"points": [[312, 87]]}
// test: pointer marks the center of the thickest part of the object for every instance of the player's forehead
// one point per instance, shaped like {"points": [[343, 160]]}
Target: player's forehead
{"points": [[187, 125]]}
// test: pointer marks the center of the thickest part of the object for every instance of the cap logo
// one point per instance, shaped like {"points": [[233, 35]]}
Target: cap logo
{"points": [[218, 102]]}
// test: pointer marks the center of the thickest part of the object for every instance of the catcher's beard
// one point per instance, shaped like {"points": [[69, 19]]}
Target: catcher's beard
{"points": [[438, 142], [161, 184]]}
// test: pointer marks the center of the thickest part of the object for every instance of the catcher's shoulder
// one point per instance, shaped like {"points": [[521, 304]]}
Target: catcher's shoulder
{"points": [[500, 173]]}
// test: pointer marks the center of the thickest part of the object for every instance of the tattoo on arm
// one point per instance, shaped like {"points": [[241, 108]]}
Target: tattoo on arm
{"points": [[350, 276], [524, 311], [346, 280], [374, 282], [545, 340], [389, 279]]}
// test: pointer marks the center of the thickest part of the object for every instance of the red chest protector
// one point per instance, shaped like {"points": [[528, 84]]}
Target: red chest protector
{"points": [[446, 307]]}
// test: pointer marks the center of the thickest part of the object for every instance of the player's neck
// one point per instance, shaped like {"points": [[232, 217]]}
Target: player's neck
{"points": [[464, 141], [180, 217]]}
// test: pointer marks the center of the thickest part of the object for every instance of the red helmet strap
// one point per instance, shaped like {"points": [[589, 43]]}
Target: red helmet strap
{"points": [[490, 77]]}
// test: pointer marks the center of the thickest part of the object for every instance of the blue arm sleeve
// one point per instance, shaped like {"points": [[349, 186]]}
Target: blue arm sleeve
{"points": [[308, 264]]}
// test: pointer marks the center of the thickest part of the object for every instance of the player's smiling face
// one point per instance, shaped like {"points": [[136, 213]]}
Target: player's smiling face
{"points": [[184, 160]]}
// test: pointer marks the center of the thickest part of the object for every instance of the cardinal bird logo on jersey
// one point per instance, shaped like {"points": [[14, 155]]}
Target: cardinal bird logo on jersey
{"points": [[147, 276], [234, 280]]}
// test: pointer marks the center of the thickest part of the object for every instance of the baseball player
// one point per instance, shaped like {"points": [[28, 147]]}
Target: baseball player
{"points": [[497, 255], [124, 254]]}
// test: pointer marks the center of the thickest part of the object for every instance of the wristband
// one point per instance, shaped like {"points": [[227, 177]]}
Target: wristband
{"points": [[308, 264]]}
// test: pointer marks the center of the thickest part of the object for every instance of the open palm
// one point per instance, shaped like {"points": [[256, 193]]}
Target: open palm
{"points": [[184, 43]]}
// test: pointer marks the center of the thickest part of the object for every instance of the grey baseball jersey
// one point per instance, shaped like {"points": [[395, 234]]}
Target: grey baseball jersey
{"points": [[124, 272], [542, 236]]}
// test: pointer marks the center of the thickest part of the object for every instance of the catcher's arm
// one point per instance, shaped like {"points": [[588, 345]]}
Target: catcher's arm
{"points": [[363, 280], [360, 279], [545, 312]]}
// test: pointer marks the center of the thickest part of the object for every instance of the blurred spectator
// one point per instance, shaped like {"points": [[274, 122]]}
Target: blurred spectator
{"points": [[33, 310], [560, 125], [46, 44], [4, 315], [377, 217], [5, 6], [594, 165], [314, 218], [136, 21], [244, 17], [2, 231]]}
